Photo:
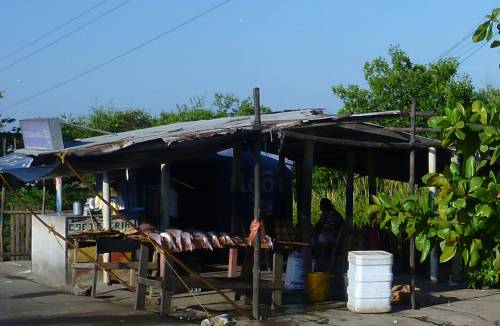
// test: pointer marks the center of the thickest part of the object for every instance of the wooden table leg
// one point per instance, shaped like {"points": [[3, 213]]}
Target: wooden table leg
{"points": [[75, 260], [94, 273], [277, 279], [140, 299], [167, 289]]}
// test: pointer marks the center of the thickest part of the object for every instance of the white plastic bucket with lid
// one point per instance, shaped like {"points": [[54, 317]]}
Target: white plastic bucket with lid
{"points": [[369, 281]]}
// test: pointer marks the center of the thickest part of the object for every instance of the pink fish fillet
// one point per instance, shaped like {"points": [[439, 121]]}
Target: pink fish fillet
{"points": [[167, 237], [177, 235], [214, 239], [187, 239], [206, 243]]}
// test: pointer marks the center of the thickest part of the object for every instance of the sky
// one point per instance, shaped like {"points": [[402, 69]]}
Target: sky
{"points": [[293, 50]]}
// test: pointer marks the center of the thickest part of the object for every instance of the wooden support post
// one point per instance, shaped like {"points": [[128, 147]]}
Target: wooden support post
{"points": [[59, 204], [256, 210], [349, 193], [276, 300], [2, 205], [235, 199], [299, 166], [411, 182], [306, 204], [140, 299], [373, 238], [165, 271], [167, 287], [44, 196], [164, 196], [282, 186], [106, 222], [434, 255]]}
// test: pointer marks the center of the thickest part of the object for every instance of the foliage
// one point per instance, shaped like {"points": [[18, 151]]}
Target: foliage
{"points": [[331, 184], [485, 31], [483, 276], [110, 119], [392, 85], [467, 222], [106, 119]]}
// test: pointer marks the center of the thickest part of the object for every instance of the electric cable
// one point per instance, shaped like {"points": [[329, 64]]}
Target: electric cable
{"points": [[119, 56], [57, 40], [55, 29]]}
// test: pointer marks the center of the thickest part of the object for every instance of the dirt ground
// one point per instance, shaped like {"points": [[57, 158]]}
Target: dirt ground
{"points": [[25, 301]]}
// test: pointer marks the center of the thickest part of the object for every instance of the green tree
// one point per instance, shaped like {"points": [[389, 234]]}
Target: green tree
{"points": [[467, 219], [393, 83], [487, 30], [107, 119]]}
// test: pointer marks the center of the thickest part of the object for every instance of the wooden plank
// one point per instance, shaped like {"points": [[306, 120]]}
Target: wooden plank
{"points": [[276, 296], [22, 233], [116, 265], [167, 288], [358, 143], [141, 280], [28, 236], [13, 235], [140, 298]]}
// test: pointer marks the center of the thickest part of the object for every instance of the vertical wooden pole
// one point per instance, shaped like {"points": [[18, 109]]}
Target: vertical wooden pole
{"points": [[282, 186], [411, 182], [306, 204], [257, 242], [44, 196], [349, 193], [106, 222], [164, 196], [2, 205], [373, 238], [235, 196], [276, 295], [434, 257], [299, 166], [140, 295], [28, 236], [165, 272]]}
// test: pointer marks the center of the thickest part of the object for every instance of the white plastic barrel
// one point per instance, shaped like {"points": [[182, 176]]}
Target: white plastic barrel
{"points": [[369, 281]]}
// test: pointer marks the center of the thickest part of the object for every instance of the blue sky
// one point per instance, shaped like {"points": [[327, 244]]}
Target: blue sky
{"points": [[293, 50]]}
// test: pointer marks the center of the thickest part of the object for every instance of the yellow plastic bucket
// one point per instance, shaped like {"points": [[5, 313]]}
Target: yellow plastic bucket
{"points": [[318, 286]]}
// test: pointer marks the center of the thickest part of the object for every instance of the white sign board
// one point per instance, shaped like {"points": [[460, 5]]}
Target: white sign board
{"points": [[42, 133]]}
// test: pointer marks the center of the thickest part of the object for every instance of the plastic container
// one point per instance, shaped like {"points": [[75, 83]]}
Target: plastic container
{"points": [[369, 281], [294, 277], [318, 286], [77, 208]]}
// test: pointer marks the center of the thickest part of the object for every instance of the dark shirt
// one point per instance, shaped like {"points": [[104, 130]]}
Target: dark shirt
{"points": [[330, 221]]}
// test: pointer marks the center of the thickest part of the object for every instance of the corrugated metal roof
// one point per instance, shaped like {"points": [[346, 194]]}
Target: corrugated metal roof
{"points": [[202, 129], [181, 131]]}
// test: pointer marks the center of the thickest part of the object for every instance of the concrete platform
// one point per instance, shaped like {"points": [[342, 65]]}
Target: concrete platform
{"points": [[25, 301]]}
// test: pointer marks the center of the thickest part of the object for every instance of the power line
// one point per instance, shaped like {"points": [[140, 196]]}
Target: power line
{"points": [[55, 29], [470, 55], [469, 34], [64, 36], [119, 56]]}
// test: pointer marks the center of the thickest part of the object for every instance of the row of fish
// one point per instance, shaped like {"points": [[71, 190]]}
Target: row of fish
{"points": [[178, 240]]}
